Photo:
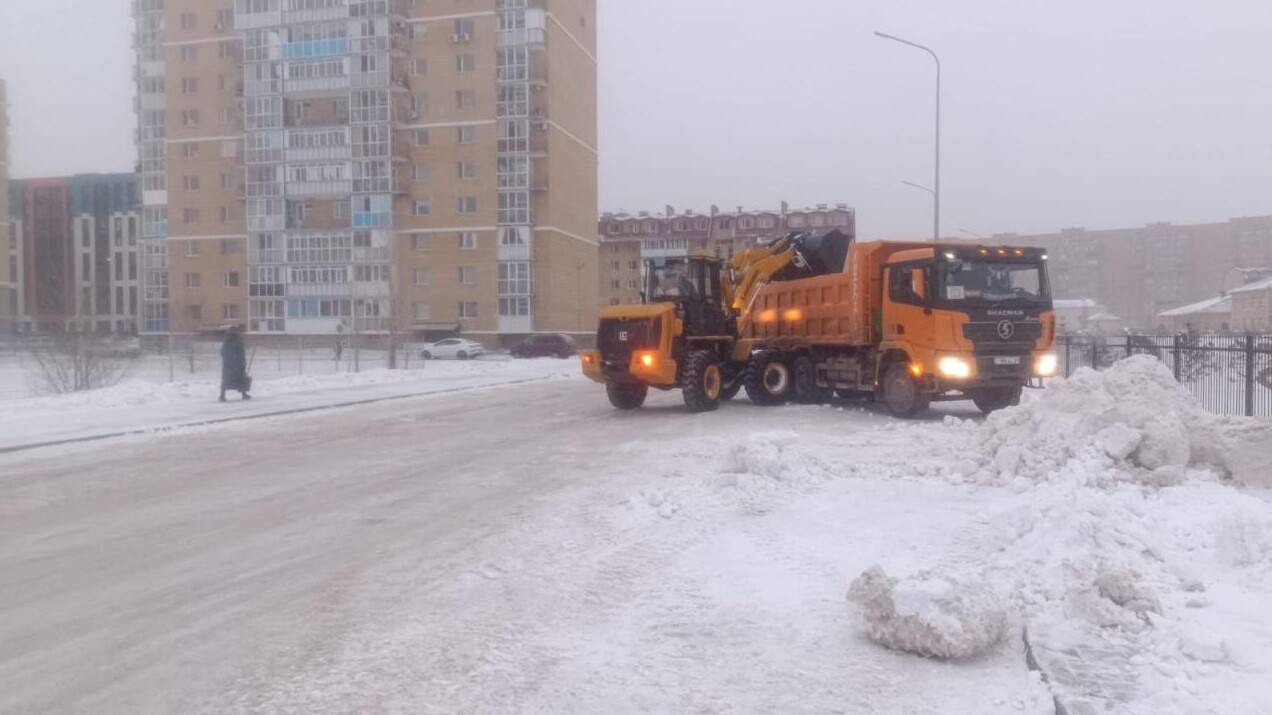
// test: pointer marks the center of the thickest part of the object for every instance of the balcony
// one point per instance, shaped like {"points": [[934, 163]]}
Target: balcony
{"points": [[315, 49]]}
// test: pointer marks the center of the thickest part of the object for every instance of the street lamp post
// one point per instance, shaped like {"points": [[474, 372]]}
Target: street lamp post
{"points": [[936, 192]]}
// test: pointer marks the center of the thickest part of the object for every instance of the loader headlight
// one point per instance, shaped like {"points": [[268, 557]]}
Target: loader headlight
{"points": [[955, 367], [646, 360], [1045, 365]]}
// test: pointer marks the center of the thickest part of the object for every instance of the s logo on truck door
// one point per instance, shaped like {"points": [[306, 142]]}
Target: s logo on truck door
{"points": [[1006, 329], [622, 336]]}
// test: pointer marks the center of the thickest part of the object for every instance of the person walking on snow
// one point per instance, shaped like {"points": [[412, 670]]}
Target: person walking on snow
{"points": [[234, 364]]}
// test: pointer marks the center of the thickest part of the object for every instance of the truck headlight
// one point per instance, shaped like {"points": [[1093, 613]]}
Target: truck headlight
{"points": [[955, 367], [1045, 365]]}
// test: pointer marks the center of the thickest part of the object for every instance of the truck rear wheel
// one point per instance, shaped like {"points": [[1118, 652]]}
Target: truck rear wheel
{"points": [[992, 399], [626, 396], [807, 391], [701, 381], [768, 378], [902, 394]]}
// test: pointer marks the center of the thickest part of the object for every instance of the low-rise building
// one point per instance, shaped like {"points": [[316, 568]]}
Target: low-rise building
{"points": [[1252, 307], [628, 239], [1212, 315]]}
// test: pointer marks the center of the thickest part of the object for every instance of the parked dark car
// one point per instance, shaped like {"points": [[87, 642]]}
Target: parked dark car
{"points": [[546, 345]]}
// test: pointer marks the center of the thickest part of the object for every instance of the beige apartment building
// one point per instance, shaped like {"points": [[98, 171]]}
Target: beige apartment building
{"points": [[8, 242], [627, 240], [322, 167]]}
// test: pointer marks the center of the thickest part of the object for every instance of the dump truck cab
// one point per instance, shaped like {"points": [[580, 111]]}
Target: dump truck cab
{"points": [[963, 322], [680, 336]]}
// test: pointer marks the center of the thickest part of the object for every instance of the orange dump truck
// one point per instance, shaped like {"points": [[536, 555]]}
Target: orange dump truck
{"points": [[907, 322]]}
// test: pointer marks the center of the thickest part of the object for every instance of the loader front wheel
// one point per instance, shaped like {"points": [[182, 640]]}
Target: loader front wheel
{"points": [[626, 396], [768, 378], [701, 381]]}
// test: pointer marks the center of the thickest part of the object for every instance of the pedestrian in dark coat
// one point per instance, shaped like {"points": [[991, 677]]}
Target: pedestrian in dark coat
{"points": [[234, 364]]}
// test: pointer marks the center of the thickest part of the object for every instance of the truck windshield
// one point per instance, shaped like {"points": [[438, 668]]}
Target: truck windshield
{"points": [[670, 281], [978, 281]]}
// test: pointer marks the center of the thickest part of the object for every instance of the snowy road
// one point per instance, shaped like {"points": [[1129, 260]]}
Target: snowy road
{"points": [[514, 549]]}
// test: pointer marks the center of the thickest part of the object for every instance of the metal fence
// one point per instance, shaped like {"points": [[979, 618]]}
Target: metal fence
{"points": [[1226, 374]]}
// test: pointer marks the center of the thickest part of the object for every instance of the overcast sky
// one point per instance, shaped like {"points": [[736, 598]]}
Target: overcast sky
{"points": [[1079, 113]]}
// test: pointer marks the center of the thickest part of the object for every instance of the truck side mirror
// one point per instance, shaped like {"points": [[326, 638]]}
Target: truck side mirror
{"points": [[918, 284]]}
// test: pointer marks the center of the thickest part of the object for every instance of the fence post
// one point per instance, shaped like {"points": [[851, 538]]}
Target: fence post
{"points": [[1176, 351], [171, 367], [1068, 370], [1129, 346], [300, 349], [1249, 375], [1095, 351]]}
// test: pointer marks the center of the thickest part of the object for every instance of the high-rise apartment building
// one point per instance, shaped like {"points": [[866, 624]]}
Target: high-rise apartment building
{"points": [[628, 239], [8, 241], [76, 253], [1138, 273], [366, 166]]}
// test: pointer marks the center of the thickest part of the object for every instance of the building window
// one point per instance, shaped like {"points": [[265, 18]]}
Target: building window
{"points": [[189, 216], [633, 265], [190, 118], [190, 183], [340, 210], [467, 240], [631, 283], [615, 284], [466, 135], [464, 28], [465, 99], [421, 207], [468, 310], [230, 245], [227, 214], [421, 242], [230, 311], [190, 150], [466, 62], [227, 117], [421, 277], [194, 280], [189, 21], [189, 85], [419, 104], [467, 204], [419, 67], [421, 172], [422, 312], [421, 137], [612, 228], [467, 169], [614, 266], [194, 313], [467, 275], [189, 53], [230, 279]]}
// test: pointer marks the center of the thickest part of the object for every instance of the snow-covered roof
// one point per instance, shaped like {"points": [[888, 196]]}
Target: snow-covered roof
{"points": [[1074, 303], [1220, 305], [1264, 284], [1104, 318]]}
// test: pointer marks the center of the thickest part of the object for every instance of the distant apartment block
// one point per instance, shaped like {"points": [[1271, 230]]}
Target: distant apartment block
{"points": [[628, 239], [75, 252], [8, 241], [365, 166], [1139, 273]]}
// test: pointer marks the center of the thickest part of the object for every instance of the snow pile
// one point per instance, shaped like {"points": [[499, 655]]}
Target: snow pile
{"points": [[1133, 417], [772, 456], [933, 616]]}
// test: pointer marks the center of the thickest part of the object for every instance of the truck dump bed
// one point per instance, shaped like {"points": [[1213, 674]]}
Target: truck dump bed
{"points": [[832, 309]]}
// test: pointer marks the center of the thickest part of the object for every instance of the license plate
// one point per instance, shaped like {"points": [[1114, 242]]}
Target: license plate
{"points": [[1013, 360]]}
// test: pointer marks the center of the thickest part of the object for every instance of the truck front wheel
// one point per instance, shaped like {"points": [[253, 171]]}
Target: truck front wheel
{"points": [[992, 399], [902, 394], [701, 381], [626, 396], [768, 378]]}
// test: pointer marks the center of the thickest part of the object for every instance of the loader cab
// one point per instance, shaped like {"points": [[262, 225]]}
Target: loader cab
{"points": [[692, 283]]}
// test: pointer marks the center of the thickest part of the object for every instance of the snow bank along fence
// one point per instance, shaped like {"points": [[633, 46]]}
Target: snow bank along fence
{"points": [[1226, 374]]}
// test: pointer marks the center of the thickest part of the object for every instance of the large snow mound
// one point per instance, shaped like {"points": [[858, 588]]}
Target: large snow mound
{"points": [[1133, 417], [933, 616]]}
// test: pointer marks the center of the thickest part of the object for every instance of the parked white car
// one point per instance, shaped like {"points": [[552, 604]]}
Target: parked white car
{"points": [[453, 349]]}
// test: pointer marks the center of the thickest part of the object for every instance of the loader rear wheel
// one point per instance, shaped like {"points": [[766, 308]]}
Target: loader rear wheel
{"points": [[701, 381], [807, 390], [992, 399], [626, 396], [768, 378], [902, 394]]}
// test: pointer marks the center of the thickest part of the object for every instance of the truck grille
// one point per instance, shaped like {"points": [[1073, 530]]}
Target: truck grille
{"points": [[617, 338]]}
